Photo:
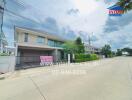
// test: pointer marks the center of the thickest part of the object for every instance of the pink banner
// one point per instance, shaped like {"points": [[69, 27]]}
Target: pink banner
{"points": [[46, 60]]}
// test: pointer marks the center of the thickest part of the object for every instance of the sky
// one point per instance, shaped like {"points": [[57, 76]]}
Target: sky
{"points": [[71, 19]]}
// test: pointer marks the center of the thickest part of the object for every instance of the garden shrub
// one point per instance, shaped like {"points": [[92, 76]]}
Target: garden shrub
{"points": [[85, 57], [94, 57], [4, 54]]}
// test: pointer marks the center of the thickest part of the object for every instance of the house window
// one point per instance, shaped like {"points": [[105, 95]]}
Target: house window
{"points": [[54, 43], [25, 37], [58, 44], [51, 43], [40, 40]]}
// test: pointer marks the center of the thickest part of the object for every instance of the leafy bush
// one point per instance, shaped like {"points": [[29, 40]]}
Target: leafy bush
{"points": [[94, 57], [4, 54], [79, 60], [85, 57], [79, 56]]}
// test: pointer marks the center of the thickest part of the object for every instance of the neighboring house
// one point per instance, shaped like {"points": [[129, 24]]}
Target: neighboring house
{"points": [[3, 42], [125, 53], [31, 44], [91, 49], [10, 50]]}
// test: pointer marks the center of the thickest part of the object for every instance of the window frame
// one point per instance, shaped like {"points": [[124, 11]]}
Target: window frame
{"points": [[26, 35], [40, 40]]}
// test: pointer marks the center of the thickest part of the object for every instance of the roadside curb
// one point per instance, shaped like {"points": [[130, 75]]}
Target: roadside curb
{"points": [[5, 75]]}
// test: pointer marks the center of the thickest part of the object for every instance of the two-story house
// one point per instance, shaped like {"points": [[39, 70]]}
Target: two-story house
{"points": [[89, 49], [31, 44]]}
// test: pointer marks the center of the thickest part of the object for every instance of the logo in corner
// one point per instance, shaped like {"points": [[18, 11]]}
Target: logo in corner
{"points": [[115, 10]]}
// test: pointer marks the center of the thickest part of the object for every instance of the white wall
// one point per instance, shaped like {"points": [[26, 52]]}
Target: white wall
{"points": [[7, 64]]}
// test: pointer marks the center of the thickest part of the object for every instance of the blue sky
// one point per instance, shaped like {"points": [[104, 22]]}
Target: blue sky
{"points": [[70, 19]]}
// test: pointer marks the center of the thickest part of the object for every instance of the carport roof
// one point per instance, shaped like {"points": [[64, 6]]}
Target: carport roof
{"points": [[37, 47]]}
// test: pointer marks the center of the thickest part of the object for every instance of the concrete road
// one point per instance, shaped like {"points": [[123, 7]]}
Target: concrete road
{"points": [[109, 79]]}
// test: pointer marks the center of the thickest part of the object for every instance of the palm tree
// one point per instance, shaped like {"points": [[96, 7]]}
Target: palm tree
{"points": [[126, 4]]}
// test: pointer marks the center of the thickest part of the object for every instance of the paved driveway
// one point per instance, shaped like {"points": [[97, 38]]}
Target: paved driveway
{"points": [[109, 79]]}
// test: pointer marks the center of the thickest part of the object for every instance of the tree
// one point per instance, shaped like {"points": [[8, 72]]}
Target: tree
{"points": [[78, 41], [69, 47], [126, 4], [106, 50], [119, 52], [129, 50], [113, 53], [73, 47], [79, 45]]}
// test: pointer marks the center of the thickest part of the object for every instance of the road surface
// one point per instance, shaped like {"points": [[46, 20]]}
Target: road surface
{"points": [[108, 79]]}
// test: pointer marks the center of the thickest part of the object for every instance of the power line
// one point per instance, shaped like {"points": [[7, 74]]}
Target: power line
{"points": [[18, 3], [3, 9], [89, 39], [29, 6], [25, 5], [18, 15]]}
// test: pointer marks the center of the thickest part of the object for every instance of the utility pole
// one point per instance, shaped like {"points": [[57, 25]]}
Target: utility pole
{"points": [[2, 5], [89, 39]]}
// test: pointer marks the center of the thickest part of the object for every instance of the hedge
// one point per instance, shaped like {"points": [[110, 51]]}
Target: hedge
{"points": [[4, 54], [85, 57]]}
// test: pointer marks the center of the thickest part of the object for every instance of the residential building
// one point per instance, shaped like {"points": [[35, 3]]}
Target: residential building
{"points": [[125, 53], [10, 50], [31, 44], [3, 41], [91, 49]]}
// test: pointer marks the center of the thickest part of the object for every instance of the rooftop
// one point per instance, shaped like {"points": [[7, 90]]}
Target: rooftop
{"points": [[41, 33]]}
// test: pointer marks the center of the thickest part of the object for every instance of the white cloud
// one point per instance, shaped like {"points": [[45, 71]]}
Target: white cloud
{"points": [[91, 17], [85, 6]]}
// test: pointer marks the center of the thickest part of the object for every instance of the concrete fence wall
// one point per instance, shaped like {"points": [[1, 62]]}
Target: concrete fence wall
{"points": [[7, 64]]}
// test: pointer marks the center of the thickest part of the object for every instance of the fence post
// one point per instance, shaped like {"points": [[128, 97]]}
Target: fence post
{"points": [[69, 59]]}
